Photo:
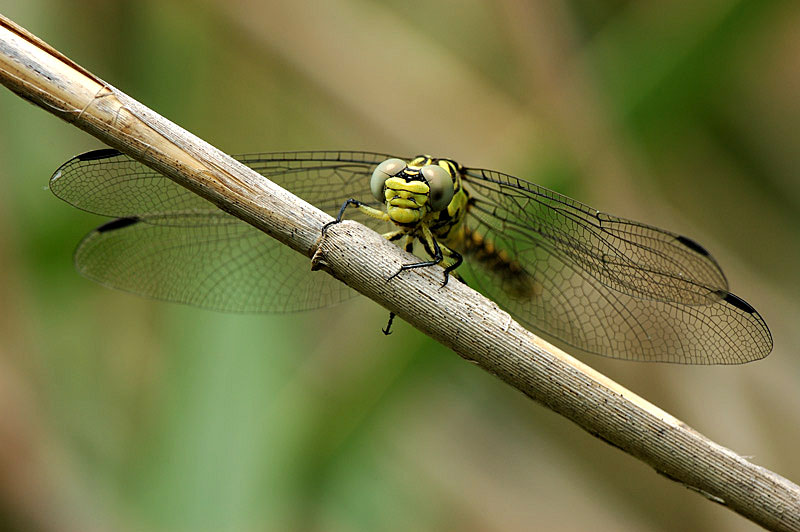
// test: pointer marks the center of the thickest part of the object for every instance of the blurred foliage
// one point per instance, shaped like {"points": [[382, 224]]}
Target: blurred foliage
{"points": [[126, 414]]}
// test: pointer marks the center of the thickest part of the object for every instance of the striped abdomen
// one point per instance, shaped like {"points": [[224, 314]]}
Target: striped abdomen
{"points": [[476, 248]]}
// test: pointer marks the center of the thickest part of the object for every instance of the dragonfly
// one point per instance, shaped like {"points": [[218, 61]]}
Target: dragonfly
{"points": [[591, 281]]}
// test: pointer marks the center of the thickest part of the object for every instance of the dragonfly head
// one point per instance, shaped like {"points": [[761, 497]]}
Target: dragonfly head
{"points": [[412, 190]]}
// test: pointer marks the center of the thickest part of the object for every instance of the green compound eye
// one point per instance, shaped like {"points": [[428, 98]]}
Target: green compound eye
{"points": [[441, 185], [385, 170]]}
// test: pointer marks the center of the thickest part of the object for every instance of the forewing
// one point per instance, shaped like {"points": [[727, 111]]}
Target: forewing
{"points": [[109, 183], [628, 256], [174, 245], [607, 285]]}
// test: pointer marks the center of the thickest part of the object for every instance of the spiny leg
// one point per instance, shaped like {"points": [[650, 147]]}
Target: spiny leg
{"points": [[441, 249], [436, 254], [388, 329], [457, 260], [363, 207], [410, 244], [439, 253], [391, 237], [338, 219], [451, 259]]}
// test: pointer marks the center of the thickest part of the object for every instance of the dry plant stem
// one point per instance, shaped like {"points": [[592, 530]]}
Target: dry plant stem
{"points": [[455, 315]]}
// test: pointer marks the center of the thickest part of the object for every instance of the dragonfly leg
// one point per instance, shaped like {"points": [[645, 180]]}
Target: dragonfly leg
{"points": [[394, 235], [451, 259], [366, 209], [388, 329], [397, 235], [410, 244], [433, 249], [457, 260], [440, 254]]}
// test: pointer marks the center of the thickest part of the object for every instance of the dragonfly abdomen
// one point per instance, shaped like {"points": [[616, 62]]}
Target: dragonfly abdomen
{"points": [[477, 248]]}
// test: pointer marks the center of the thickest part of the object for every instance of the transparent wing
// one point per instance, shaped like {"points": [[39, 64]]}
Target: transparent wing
{"points": [[171, 244], [602, 284], [607, 285]]}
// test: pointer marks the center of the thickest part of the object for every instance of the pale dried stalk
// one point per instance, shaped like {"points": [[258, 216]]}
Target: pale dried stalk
{"points": [[458, 317]]}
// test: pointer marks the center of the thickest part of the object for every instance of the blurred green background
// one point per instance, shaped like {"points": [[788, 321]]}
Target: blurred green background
{"points": [[118, 413]]}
